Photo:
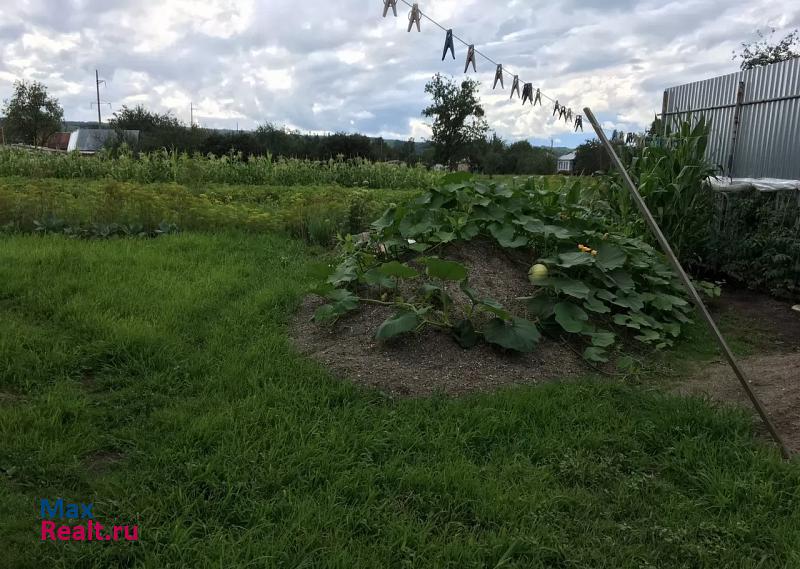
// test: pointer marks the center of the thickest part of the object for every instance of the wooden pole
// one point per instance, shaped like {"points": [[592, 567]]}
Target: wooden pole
{"points": [[737, 121], [97, 84], [687, 282]]}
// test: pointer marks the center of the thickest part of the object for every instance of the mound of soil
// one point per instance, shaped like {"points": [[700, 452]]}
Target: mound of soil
{"points": [[431, 362]]}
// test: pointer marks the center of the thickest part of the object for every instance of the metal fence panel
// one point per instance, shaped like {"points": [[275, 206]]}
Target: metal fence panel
{"points": [[767, 144]]}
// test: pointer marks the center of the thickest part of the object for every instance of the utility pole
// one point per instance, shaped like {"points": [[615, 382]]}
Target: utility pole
{"points": [[97, 82]]}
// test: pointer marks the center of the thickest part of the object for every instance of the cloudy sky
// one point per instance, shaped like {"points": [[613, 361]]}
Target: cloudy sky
{"points": [[339, 66]]}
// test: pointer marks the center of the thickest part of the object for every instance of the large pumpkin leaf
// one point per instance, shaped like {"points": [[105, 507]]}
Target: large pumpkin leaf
{"points": [[491, 305], [464, 334], [574, 259], [400, 323], [541, 306], [610, 257], [596, 305], [374, 277], [570, 316], [397, 270], [445, 270], [346, 272], [519, 334], [595, 354], [505, 236], [570, 287]]}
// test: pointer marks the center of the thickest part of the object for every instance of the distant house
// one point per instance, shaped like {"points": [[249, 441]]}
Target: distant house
{"points": [[58, 141], [91, 140], [566, 163]]}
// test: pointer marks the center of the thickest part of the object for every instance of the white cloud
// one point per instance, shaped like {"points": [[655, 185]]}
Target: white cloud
{"points": [[332, 66]]}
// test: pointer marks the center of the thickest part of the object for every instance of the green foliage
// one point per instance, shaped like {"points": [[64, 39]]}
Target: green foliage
{"points": [[31, 115], [458, 117], [315, 214], [670, 173], [601, 285], [755, 241], [591, 157], [198, 171], [764, 52], [210, 417]]}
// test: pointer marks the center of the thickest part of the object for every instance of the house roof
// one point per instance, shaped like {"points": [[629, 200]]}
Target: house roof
{"points": [[570, 156], [92, 140]]}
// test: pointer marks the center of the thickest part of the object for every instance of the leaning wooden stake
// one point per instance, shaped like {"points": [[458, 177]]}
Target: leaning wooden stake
{"points": [[687, 282]]}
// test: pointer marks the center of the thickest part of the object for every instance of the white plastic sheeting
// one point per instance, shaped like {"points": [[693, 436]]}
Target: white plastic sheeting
{"points": [[723, 184]]}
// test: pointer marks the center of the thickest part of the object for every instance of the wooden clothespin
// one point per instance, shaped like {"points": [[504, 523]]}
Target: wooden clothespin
{"points": [[556, 108], [515, 86], [498, 76], [538, 98], [448, 44], [414, 17], [389, 4], [569, 115], [631, 138], [527, 93], [579, 123], [470, 58]]}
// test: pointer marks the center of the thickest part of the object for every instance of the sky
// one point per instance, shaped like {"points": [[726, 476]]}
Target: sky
{"points": [[334, 66]]}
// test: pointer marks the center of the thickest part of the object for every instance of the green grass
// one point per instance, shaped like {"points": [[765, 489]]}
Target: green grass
{"points": [[234, 451]]}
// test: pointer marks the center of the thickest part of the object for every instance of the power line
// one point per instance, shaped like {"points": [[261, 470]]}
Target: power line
{"points": [[483, 55]]}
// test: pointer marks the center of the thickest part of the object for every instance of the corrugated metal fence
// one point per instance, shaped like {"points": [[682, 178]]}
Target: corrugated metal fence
{"points": [[755, 119]]}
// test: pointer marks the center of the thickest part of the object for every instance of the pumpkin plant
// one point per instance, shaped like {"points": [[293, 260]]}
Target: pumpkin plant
{"points": [[590, 283]]}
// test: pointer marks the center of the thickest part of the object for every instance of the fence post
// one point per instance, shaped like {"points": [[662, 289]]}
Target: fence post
{"points": [[737, 120]]}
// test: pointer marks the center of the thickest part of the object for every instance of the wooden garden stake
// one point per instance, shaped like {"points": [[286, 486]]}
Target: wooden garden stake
{"points": [[687, 283]]}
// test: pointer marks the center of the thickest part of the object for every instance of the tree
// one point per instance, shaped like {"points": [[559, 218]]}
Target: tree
{"points": [[139, 118], [522, 158], [458, 117], [31, 115], [591, 157], [762, 52]]}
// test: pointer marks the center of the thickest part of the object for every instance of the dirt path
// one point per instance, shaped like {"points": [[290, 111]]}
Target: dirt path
{"points": [[774, 378], [774, 373]]}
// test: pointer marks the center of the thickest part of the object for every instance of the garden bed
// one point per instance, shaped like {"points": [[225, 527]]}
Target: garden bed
{"points": [[432, 362]]}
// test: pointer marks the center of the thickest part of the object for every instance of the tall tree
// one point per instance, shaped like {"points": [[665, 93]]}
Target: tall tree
{"points": [[458, 117], [31, 114], [591, 157], [764, 51]]}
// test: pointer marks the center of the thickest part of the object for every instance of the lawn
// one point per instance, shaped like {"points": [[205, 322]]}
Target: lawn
{"points": [[155, 378]]}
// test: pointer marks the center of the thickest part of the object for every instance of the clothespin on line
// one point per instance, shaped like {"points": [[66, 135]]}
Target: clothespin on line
{"points": [[389, 4], [448, 45], [515, 87], [527, 93], [556, 108], [579, 123], [414, 17], [470, 58], [498, 76], [538, 98]]}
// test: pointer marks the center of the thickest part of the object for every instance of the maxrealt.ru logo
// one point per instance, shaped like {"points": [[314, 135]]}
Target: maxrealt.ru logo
{"points": [[90, 530]]}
